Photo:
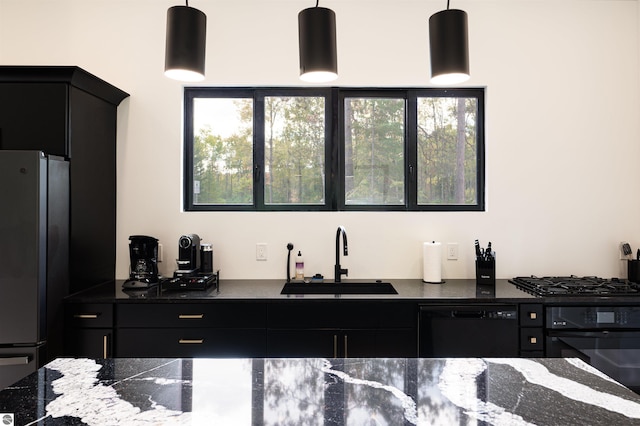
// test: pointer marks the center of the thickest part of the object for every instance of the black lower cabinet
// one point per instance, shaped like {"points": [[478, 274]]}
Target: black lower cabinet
{"points": [[190, 342], [302, 343], [355, 329], [90, 342], [186, 330], [89, 330], [336, 343]]}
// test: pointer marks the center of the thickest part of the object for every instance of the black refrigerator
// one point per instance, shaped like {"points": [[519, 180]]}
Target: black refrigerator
{"points": [[34, 260]]}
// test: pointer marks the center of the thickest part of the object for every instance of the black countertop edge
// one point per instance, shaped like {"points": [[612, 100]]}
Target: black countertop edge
{"points": [[413, 290]]}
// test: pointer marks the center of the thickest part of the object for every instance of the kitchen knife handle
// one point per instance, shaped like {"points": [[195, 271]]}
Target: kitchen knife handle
{"points": [[15, 360], [191, 316]]}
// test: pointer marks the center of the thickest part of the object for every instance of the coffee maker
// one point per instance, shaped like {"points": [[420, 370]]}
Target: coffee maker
{"points": [[188, 256], [143, 255]]}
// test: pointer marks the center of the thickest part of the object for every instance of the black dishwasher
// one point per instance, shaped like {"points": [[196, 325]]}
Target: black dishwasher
{"points": [[489, 330]]}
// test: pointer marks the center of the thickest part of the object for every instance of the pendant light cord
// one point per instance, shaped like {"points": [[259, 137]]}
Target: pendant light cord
{"points": [[318, 2], [188, 3], [447, 4]]}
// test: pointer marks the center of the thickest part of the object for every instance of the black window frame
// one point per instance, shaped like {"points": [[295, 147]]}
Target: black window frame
{"points": [[334, 146]]}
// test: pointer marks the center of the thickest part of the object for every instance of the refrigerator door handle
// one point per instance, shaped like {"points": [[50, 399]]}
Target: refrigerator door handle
{"points": [[15, 360]]}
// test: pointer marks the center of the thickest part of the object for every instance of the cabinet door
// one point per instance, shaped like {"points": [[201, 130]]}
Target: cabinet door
{"points": [[190, 342], [393, 343], [303, 343], [89, 342], [33, 116]]}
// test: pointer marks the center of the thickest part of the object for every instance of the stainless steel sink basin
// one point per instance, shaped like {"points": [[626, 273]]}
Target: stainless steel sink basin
{"points": [[368, 287]]}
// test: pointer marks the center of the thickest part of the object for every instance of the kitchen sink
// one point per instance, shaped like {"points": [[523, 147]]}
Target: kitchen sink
{"points": [[368, 287]]}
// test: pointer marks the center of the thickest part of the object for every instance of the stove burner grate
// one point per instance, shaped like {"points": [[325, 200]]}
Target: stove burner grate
{"points": [[576, 286]]}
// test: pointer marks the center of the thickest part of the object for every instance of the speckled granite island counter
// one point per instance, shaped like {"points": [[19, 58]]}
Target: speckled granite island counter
{"points": [[309, 391]]}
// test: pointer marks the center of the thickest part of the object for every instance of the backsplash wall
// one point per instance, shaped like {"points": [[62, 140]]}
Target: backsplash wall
{"points": [[562, 129]]}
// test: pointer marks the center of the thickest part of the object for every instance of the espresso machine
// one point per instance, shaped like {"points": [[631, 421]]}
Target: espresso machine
{"points": [[195, 266], [143, 268], [188, 256]]}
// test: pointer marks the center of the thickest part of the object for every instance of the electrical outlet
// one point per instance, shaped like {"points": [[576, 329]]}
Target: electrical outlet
{"points": [[452, 251], [261, 251]]}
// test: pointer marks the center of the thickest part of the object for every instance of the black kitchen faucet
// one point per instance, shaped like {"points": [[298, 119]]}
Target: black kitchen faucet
{"points": [[338, 270]]}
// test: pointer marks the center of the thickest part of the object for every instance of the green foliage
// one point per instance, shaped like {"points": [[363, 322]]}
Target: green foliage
{"points": [[294, 150], [374, 155], [374, 150], [224, 166], [447, 151]]}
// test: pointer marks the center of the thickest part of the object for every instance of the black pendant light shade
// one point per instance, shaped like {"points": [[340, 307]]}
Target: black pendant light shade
{"points": [[317, 43], [185, 43], [449, 47]]}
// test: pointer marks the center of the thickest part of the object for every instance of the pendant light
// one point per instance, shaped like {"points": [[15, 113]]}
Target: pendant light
{"points": [[185, 43], [449, 46], [317, 44]]}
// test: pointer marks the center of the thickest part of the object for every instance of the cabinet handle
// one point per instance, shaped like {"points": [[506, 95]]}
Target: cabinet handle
{"points": [[191, 316], [86, 316], [335, 346], [14, 360], [191, 341], [346, 352], [105, 346], [533, 340], [533, 315]]}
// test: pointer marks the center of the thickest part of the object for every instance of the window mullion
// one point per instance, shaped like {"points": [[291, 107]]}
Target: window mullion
{"points": [[411, 147], [258, 152]]}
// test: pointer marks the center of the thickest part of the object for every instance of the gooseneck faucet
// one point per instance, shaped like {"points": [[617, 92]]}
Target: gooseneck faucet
{"points": [[338, 270]]}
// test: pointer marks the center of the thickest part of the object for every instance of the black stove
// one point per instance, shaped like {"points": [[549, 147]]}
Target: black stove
{"points": [[576, 286]]}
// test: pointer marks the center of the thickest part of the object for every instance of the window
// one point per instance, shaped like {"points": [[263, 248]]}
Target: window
{"points": [[334, 149]]}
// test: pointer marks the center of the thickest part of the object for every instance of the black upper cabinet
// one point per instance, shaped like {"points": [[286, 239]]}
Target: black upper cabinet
{"points": [[33, 116], [69, 112]]}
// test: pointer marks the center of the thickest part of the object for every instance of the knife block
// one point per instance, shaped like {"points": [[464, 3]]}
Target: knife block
{"points": [[486, 271], [633, 271]]}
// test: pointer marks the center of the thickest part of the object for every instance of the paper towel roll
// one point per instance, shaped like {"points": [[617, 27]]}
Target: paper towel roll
{"points": [[432, 262]]}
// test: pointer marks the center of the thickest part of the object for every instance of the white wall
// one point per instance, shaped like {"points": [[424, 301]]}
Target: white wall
{"points": [[562, 132]]}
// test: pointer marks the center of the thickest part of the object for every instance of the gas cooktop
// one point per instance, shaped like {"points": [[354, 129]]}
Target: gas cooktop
{"points": [[576, 286]]}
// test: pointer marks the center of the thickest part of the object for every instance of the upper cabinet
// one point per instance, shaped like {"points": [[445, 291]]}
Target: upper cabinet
{"points": [[53, 108], [66, 111]]}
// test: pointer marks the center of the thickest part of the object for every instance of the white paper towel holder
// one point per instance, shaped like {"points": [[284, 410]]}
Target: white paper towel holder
{"points": [[434, 282], [441, 281]]}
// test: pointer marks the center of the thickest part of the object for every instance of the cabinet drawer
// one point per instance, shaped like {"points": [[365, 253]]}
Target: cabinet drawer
{"points": [[531, 315], [89, 315], [531, 339], [190, 343], [212, 315], [302, 314]]}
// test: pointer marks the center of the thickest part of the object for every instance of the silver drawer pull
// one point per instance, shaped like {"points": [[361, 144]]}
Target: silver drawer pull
{"points": [[16, 360], [86, 316], [191, 341], [191, 316]]}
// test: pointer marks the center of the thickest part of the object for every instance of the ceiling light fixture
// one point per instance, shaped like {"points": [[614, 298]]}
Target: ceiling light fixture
{"points": [[185, 43], [317, 44], [449, 46]]}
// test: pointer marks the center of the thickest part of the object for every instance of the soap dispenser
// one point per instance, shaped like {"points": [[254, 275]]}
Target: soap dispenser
{"points": [[299, 266]]}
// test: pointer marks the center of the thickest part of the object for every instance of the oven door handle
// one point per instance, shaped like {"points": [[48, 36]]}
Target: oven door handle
{"points": [[600, 334]]}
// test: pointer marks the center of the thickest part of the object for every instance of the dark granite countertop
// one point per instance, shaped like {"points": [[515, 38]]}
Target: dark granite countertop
{"points": [[310, 391], [408, 289]]}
